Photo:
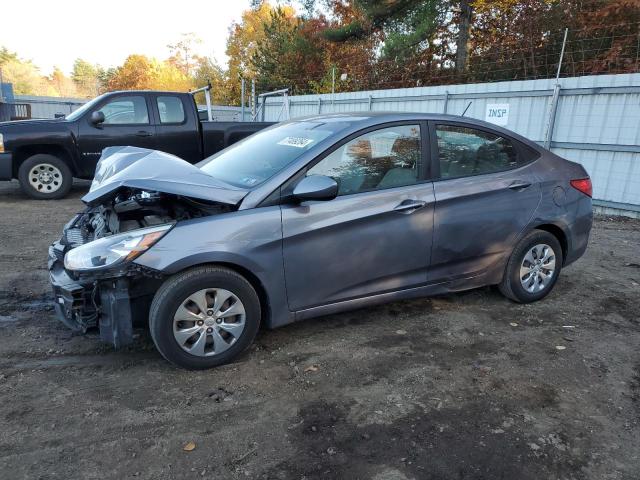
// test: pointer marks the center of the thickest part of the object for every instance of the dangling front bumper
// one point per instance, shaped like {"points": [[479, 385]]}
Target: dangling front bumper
{"points": [[110, 301]]}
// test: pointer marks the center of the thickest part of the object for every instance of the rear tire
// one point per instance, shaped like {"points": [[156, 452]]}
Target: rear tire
{"points": [[204, 317], [533, 268], [45, 177]]}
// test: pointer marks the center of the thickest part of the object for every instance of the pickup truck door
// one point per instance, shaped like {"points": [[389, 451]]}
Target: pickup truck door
{"points": [[177, 126], [127, 122]]}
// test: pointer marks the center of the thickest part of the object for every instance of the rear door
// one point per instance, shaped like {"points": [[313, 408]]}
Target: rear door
{"points": [[376, 235], [128, 121], [177, 129], [486, 194]]}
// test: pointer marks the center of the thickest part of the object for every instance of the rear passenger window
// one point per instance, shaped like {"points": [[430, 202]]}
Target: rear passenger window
{"points": [[466, 151], [385, 158], [171, 110]]}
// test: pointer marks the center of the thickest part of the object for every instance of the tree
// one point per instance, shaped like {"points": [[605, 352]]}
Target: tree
{"points": [[208, 71], [465, 12], [136, 73], [183, 54], [139, 72], [23, 74], [86, 77], [243, 41], [405, 24], [7, 56], [62, 84]]}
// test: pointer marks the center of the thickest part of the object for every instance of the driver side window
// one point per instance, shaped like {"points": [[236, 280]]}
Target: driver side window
{"points": [[385, 158], [130, 110]]}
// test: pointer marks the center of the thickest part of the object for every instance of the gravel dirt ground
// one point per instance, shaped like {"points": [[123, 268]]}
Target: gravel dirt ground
{"points": [[464, 386]]}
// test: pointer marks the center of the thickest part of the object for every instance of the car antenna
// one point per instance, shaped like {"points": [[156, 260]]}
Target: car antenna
{"points": [[465, 110]]}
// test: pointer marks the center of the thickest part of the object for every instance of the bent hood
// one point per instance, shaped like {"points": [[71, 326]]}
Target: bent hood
{"points": [[152, 170]]}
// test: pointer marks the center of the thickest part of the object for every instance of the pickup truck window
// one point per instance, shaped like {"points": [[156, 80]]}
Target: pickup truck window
{"points": [[76, 114], [171, 110], [126, 111]]}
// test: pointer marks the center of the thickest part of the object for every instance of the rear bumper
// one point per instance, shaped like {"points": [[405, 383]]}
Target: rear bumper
{"points": [[6, 166], [91, 302]]}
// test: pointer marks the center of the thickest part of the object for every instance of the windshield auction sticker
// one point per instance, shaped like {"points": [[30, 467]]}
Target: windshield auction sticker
{"points": [[298, 142]]}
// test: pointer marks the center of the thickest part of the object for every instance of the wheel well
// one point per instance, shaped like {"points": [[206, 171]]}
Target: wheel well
{"points": [[559, 234], [22, 153], [255, 283]]}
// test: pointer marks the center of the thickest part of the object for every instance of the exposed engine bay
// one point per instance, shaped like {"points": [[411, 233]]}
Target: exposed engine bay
{"points": [[134, 189], [115, 300], [131, 209]]}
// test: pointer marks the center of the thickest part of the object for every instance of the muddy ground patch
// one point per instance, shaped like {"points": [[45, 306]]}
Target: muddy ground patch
{"points": [[465, 386]]}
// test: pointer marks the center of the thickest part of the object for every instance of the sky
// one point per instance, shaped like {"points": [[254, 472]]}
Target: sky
{"points": [[55, 33]]}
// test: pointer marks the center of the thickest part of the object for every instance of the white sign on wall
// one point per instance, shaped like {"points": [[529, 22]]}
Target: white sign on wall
{"points": [[497, 113]]}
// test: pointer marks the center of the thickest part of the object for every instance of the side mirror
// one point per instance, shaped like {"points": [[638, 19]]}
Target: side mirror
{"points": [[316, 187], [97, 118]]}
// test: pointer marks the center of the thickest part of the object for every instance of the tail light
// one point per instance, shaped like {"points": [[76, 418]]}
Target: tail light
{"points": [[583, 185]]}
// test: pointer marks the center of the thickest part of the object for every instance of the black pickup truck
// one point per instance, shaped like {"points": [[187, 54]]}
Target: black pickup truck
{"points": [[45, 155]]}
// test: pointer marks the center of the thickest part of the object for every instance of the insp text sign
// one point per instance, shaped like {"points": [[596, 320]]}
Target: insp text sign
{"points": [[497, 113]]}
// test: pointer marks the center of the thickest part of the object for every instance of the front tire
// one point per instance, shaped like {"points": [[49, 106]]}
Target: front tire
{"points": [[45, 177], [204, 317], [533, 268]]}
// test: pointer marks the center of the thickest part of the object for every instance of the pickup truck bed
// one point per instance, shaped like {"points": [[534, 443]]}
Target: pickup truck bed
{"points": [[219, 135]]}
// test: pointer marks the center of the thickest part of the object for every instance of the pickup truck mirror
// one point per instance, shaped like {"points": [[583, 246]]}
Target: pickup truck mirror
{"points": [[97, 118], [316, 187]]}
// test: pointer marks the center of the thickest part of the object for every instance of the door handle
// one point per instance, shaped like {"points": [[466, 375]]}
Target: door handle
{"points": [[409, 206], [143, 133], [519, 185]]}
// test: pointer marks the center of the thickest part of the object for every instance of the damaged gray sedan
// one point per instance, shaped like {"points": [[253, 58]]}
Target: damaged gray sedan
{"points": [[311, 217]]}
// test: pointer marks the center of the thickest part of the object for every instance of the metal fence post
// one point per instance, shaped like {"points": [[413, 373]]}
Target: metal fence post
{"points": [[548, 136], [333, 87], [319, 105], [288, 105], [252, 100], [370, 100], [242, 99], [446, 101]]}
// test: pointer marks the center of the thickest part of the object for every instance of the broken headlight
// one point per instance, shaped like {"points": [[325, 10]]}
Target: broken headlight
{"points": [[110, 251]]}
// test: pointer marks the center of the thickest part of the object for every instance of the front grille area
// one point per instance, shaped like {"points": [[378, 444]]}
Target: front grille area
{"points": [[74, 237]]}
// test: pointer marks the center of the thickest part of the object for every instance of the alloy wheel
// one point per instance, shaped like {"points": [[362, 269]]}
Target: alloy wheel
{"points": [[208, 322], [537, 268]]}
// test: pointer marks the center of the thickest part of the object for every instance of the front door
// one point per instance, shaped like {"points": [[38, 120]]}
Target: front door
{"points": [[486, 196], [375, 237], [127, 122]]}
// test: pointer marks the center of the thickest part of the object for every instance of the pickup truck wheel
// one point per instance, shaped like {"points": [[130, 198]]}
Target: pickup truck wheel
{"points": [[204, 317], [45, 177]]}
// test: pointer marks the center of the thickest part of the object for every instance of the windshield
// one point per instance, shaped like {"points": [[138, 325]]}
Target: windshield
{"points": [[250, 162], [76, 114]]}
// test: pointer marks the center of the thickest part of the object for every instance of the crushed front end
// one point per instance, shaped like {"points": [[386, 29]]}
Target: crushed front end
{"points": [[136, 197], [115, 298]]}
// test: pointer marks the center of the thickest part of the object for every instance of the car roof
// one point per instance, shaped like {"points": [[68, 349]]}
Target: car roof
{"points": [[360, 120], [381, 117]]}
